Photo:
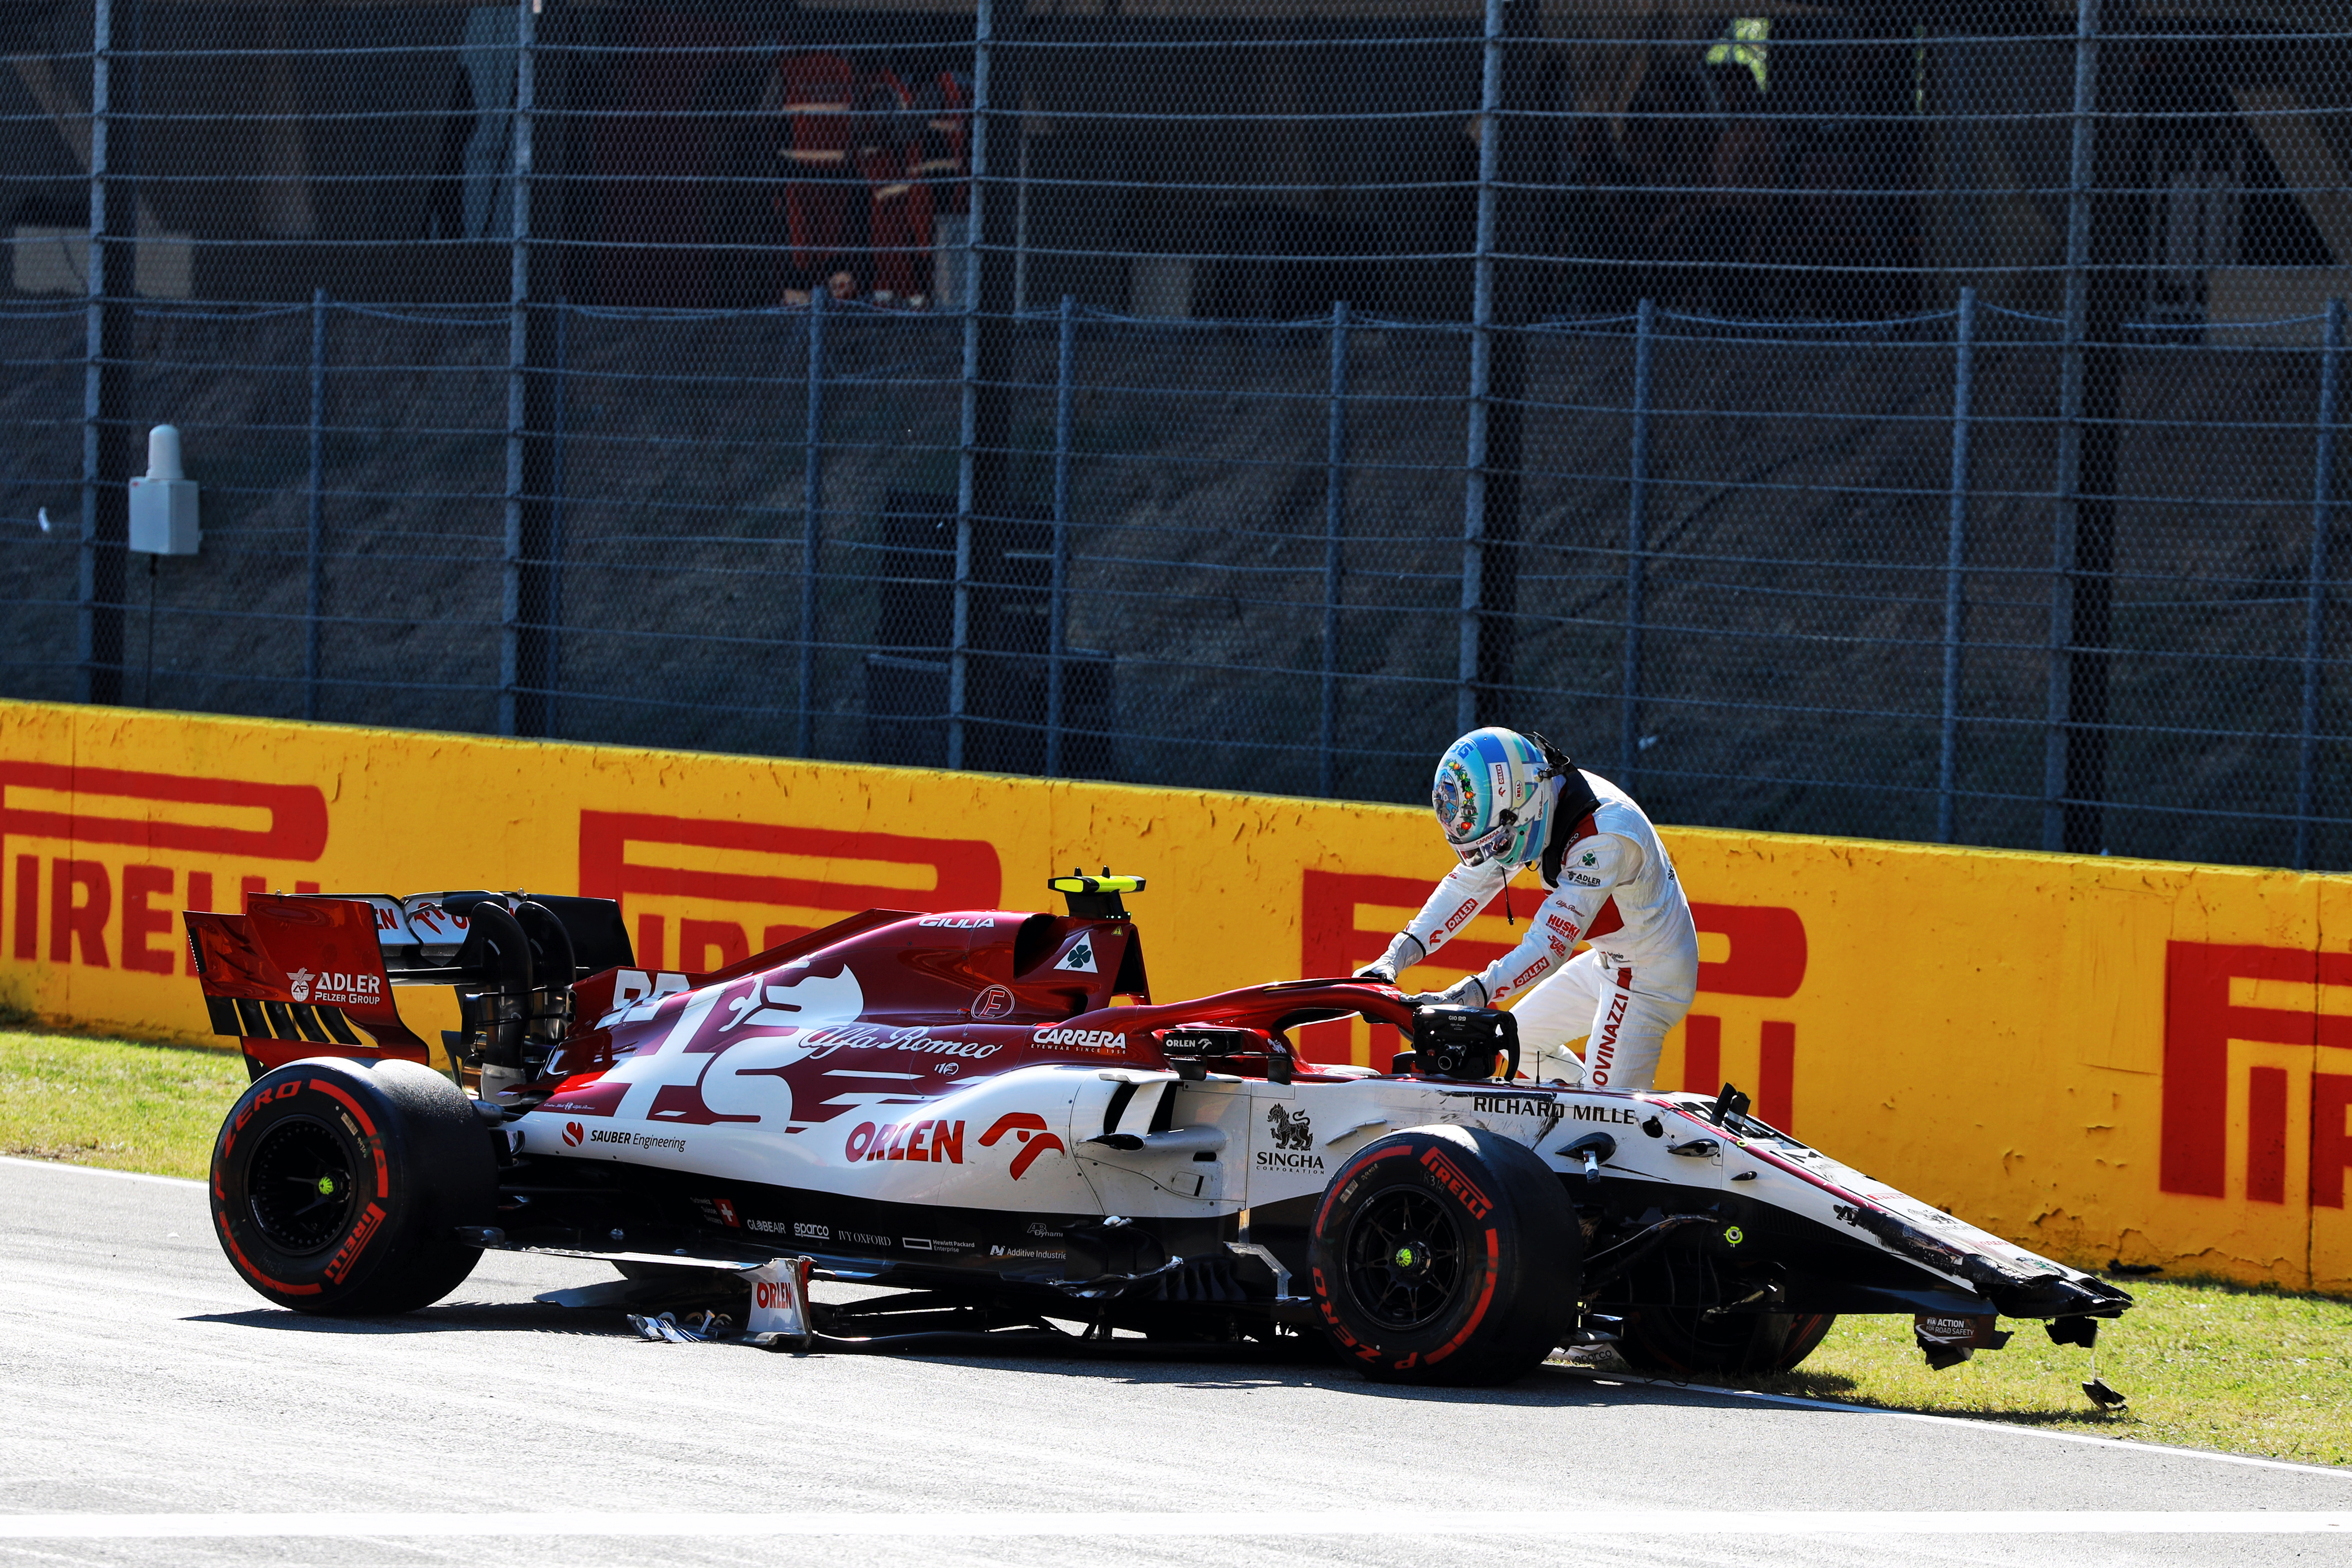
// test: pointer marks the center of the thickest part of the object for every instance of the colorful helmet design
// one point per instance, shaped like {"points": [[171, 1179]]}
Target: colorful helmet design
{"points": [[1492, 796]]}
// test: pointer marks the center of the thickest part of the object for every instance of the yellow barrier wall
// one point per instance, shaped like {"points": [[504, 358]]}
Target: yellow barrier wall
{"points": [[2103, 1058]]}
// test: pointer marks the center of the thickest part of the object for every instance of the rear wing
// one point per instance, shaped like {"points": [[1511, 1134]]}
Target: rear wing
{"points": [[312, 975]]}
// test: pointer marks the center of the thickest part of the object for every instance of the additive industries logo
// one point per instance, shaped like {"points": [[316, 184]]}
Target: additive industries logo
{"points": [[1080, 959], [996, 1002]]}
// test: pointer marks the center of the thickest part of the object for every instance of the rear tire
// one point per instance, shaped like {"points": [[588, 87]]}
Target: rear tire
{"points": [[1446, 1254], [338, 1185]]}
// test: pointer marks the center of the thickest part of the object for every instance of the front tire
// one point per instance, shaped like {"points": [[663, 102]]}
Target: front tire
{"points": [[338, 1184], [1446, 1254]]}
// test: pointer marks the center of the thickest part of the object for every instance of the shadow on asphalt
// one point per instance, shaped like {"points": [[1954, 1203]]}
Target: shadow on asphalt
{"points": [[462, 1315]]}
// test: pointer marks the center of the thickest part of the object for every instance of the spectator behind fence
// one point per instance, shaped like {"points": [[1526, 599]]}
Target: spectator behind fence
{"points": [[826, 213], [899, 206]]}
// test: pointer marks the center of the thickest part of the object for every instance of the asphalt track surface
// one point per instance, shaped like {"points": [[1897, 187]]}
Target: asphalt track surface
{"points": [[154, 1411]]}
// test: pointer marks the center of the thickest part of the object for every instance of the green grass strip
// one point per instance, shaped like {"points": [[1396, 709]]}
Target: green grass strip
{"points": [[117, 1103]]}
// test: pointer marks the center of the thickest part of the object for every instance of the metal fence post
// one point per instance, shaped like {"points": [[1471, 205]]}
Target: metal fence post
{"points": [[106, 441], [1637, 506], [1482, 353], [1335, 503], [1964, 333], [959, 630], [1057, 610], [554, 564], [812, 515], [510, 671], [2060, 697], [318, 498], [2315, 614]]}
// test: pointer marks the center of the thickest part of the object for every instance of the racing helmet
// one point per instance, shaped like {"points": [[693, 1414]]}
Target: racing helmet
{"points": [[1494, 797]]}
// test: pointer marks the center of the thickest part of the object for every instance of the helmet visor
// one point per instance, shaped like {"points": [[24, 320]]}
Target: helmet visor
{"points": [[1488, 844]]}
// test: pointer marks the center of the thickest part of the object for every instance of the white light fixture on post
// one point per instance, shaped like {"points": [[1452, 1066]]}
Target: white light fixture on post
{"points": [[163, 502]]}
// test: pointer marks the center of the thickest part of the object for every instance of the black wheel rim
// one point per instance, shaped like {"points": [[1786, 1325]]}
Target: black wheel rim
{"points": [[300, 1185], [1404, 1260]]}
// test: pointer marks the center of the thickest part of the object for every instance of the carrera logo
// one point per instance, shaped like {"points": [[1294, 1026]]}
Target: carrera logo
{"points": [[935, 1142], [572, 1134], [1083, 1039], [1449, 1176], [1029, 1130]]}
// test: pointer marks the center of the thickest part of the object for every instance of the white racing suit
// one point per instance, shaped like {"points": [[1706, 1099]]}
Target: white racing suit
{"points": [[1617, 890]]}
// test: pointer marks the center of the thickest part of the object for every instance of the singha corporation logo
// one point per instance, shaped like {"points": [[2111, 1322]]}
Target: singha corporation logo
{"points": [[298, 985], [1291, 1130]]}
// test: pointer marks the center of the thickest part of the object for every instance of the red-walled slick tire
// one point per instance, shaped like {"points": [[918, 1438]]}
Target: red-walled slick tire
{"points": [[1446, 1254], [338, 1187]]}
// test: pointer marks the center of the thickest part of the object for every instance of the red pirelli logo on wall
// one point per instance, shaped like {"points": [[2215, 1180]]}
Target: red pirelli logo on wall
{"points": [[161, 842], [2201, 1095], [621, 857]]}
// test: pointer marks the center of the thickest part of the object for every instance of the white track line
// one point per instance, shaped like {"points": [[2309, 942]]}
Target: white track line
{"points": [[98, 1170], [1647, 1522]]}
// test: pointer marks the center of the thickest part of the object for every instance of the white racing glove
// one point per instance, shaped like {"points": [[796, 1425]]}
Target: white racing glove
{"points": [[1404, 952], [1467, 991]]}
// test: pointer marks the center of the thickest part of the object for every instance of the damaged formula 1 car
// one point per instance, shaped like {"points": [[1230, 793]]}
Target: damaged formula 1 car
{"points": [[951, 1104]]}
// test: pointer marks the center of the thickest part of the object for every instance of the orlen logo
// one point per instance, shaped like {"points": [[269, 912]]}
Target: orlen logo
{"points": [[1449, 1176], [1030, 1130], [572, 1133], [938, 1142]]}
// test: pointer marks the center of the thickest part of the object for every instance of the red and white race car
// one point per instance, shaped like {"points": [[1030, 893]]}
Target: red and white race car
{"points": [[988, 1109]]}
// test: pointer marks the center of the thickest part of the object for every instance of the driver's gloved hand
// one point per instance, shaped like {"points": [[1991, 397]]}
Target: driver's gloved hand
{"points": [[1467, 991], [1404, 952]]}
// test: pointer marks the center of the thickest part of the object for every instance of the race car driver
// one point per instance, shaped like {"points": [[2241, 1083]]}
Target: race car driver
{"points": [[1506, 800]]}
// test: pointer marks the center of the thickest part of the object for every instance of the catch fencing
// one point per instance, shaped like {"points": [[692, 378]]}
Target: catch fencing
{"points": [[1215, 422]]}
